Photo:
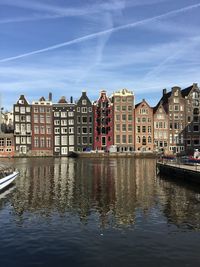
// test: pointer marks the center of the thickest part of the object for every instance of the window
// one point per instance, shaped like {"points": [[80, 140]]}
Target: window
{"points": [[41, 109], [64, 140], [117, 99], [118, 139], [16, 117], [56, 122], [71, 129], [57, 140], [149, 139], [42, 130], [70, 114], [28, 118], [130, 127], [123, 139], [117, 108], [36, 118], [42, 142], [41, 118], [123, 127], [117, 117], [149, 129], [48, 119], [89, 109], [84, 139], [48, 142], [84, 110], [130, 139], [176, 108], [1, 141], [16, 108], [123, 108], [138, 129], [48, 110], [57, 130], [138, 139], [84, 119], [130, 108], [48, 130], [144, 129], [124, 117], [84, 130], [143, 119], [144, 140], [36, 142], [63, 114], [71, 122], [138, 119], [56, 114], [63, 122], [130, 117], [117, 127], [22, 110], [64, 130], [78, 109], [196, 128]]}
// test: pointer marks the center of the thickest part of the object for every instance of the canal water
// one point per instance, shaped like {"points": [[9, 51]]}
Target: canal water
{"points": [[97, 212]]}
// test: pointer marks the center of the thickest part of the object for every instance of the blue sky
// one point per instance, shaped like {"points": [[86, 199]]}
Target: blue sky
{"points": [[66, 46]]}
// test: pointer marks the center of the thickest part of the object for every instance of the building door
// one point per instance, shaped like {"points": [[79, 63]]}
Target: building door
{"points": [[23, 149]]}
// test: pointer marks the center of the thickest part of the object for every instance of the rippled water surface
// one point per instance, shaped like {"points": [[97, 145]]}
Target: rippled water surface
{"points": [[98, 212]]}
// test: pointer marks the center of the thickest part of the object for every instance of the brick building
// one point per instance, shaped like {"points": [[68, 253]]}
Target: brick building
{"points": [[161, 130], [42, 127], [143, 127], [103, 122], [123, 109], [7, 148]]}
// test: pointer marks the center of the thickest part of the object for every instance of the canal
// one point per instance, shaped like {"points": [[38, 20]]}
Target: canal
{"points": [[97, 212]]}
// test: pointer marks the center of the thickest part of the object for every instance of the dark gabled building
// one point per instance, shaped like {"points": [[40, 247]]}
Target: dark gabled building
{"points": [[64, 127], [22, 126], [191, 131], [84, 124], [182, 108]]}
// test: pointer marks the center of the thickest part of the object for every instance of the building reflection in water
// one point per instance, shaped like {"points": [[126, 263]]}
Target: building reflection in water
{"points": [[181, 205], [113, 191]]}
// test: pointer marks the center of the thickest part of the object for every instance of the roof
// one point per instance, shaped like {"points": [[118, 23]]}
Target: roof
{"points": [[186, 91]]}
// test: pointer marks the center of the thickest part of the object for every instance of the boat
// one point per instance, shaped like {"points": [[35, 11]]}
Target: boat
{"points": [[8, 179], [72, 154]]}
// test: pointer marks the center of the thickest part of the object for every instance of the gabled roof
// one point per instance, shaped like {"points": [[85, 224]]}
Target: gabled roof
{"points": [[42, 98], [22, 98], [143, 101], [62, 100], [185, 92]]}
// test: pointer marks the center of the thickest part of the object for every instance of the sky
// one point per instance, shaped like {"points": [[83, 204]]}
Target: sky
{"points": [[69, 46]]}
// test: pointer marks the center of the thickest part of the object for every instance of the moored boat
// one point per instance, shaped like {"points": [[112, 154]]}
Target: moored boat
{"points": [[8, 179]]}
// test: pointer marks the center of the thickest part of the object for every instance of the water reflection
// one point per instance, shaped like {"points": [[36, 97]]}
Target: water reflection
{"points": [[115, 190]]}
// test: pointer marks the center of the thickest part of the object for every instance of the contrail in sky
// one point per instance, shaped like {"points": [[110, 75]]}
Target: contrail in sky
{"points": [[101, 33]]}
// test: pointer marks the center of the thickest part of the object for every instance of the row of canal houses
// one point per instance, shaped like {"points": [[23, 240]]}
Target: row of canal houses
{"points": [[44, 128]]}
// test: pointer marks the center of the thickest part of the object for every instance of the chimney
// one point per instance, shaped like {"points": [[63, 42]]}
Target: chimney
{"points": [[164, 92], [84, 93], [71, 99], [50, 96]]}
